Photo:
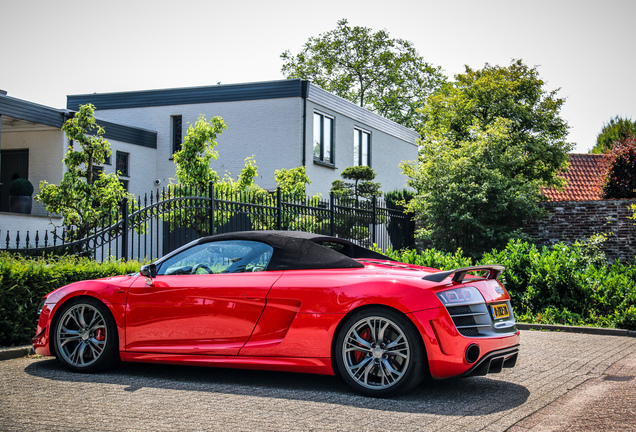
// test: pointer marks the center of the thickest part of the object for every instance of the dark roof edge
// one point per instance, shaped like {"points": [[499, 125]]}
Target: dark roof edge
{"points": [[32, 112], [328, 100], [192, 95], [129, 134], [41, 114]]}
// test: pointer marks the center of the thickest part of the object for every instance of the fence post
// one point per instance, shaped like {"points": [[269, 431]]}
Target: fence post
{"points": [[374, 219], [124, 235], [279, 206], [211, 215], [332, 216]]}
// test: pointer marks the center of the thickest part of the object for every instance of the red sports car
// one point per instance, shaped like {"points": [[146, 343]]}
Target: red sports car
{"points": [[288, 301]]}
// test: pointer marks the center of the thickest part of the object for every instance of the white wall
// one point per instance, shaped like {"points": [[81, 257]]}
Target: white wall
{"points": [[268, 129], [141, 166], [14, 223], [387, 152], [46, 151]]}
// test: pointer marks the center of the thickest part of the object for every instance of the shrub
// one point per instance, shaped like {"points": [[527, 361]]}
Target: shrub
{"points": [[562, 284], [21, 187], [24, 281]]}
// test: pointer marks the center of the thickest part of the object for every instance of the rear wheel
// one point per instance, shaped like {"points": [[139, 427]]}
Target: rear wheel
{"points": [[379, 353], [85, 336]]}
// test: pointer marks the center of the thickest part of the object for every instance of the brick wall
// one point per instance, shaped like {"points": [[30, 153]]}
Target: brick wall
{"points": [[573, 220]]}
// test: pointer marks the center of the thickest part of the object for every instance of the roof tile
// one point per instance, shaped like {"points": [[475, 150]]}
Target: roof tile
{"points": [[584, 179]]}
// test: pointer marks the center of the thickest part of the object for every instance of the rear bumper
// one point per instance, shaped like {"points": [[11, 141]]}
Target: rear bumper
{"points": [[450, 354], [494, 362]]}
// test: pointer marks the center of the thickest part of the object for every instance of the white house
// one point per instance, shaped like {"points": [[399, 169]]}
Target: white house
{"points": [[283, 124], [32, 146]]}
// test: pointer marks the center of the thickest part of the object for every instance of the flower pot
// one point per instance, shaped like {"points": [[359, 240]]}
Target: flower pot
{"points": [[20, 204]]}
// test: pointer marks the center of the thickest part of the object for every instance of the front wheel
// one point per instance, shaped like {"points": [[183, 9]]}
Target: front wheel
{"points": [[85, 336], [379, 353]]}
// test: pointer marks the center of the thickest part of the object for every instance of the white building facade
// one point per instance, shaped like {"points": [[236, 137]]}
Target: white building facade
{"points": [[283, 124]]}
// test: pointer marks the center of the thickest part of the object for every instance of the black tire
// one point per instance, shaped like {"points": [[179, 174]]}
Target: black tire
{"points": [[379, 353], [84, 336]]}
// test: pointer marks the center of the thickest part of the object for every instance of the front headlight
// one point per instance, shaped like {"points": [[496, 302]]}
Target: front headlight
{"points": [[460, 296]]}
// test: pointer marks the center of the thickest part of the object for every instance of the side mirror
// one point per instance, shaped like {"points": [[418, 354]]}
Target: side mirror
{"points": [[149, 271]]}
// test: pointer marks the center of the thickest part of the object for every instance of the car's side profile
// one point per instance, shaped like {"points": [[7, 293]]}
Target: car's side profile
{"points": [[288, 301]]}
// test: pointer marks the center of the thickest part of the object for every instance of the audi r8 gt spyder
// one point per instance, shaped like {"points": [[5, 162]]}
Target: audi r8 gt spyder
{"points": [[288, 301]]}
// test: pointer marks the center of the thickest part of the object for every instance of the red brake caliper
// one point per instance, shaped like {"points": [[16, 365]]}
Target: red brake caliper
{"points": [[359, 355], [99, 334]]}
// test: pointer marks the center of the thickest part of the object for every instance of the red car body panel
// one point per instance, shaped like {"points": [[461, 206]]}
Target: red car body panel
{"points": [[274, 320], [179, 315]]}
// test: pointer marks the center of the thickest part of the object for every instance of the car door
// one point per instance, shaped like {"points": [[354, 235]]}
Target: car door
{"points": [[205, 300]]}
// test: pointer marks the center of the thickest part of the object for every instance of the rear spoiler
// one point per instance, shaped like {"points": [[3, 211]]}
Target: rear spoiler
{"points": [[494, 270]]}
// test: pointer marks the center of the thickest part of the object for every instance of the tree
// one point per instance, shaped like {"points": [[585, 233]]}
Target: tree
{"points": [[85, 198], [616, 130], [197, 151], [368, 68], [400, 228], [492, 139], [360, 188], [478, 98], [620, 180], [472, 194], [293, 182], [194, 176], [357, 195]]}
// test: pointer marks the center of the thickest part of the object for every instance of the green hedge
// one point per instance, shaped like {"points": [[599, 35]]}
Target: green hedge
{"points": [[562, 284], [571, 285], [24, 281]]}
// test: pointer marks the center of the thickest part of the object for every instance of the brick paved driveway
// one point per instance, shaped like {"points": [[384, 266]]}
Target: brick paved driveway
{"points": [[36, 394]]}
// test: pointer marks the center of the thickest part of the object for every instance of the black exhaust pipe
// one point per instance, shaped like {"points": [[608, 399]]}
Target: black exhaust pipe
{"points": [[472, 353]]}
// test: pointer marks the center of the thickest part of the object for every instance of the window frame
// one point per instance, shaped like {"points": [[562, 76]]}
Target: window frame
{"points": [[176, 132], [322, 159], [358, 154], [122, 173]]}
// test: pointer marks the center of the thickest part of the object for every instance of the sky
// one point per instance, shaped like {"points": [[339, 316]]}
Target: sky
{"points": [[50, 49]]}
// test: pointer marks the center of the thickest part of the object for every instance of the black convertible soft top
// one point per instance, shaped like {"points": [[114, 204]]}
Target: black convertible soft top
{"points": [[296, 250]]}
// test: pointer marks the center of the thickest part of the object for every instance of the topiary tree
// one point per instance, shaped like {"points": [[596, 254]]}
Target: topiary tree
{"points": [[357, 194], [360, 187]]}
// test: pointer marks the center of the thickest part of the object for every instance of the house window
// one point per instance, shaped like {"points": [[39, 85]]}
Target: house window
{"points": [[361, 147], [121, 164], [107, 160], [177, 133], [323, 139]]}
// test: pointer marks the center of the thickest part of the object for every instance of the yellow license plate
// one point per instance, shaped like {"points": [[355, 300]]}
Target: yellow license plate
{"points": [[500, 311]]}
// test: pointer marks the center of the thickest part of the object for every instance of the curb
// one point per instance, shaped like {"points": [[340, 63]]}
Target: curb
{"points": [[15, 352], [577, 329]]}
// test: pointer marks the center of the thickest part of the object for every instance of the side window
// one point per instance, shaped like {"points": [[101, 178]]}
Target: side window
{"points": [[323, 139], [177, 133], [230, 256], [361, 147], [122, 164]]}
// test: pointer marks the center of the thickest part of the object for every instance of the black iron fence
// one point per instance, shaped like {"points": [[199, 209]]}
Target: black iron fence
{"points": [[164, 220]]}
